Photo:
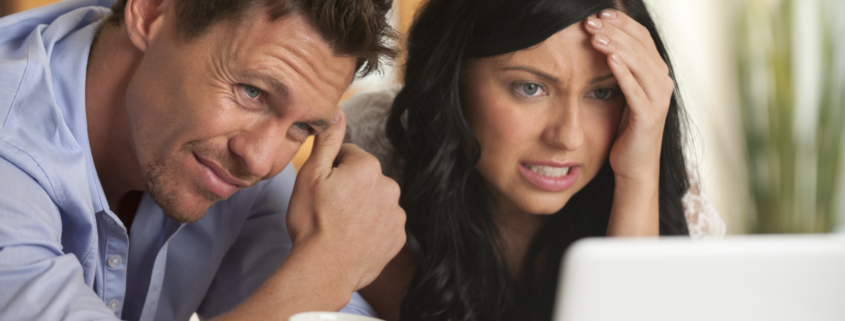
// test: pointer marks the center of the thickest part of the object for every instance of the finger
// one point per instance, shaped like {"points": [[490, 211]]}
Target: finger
{"points": [[351, 154], [657, 87], [609, 38], [649, 69], [326, 147], [634, 94], [627, 39], [630, 26]]}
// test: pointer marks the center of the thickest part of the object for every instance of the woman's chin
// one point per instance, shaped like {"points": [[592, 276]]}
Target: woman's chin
{"points": [[544, 205]]}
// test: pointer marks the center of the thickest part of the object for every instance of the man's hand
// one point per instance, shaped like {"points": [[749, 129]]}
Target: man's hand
{"points": [[345, 209], [345, 223]]}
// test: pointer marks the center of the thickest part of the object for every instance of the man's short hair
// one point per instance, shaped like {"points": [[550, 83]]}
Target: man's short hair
{"points": [[357, 28]]}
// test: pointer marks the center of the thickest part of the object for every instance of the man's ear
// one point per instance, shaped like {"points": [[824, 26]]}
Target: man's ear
{"points": [[140, 18]]}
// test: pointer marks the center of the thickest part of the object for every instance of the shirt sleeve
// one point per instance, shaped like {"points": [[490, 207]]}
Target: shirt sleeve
{"points": [[260, 247], [359, 306], [39, 281]]}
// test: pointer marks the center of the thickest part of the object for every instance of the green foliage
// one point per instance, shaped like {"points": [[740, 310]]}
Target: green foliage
{"points": [[793, 179]]}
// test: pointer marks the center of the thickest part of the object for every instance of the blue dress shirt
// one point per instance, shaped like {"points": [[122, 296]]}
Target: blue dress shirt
{"points": [[64, 255]]}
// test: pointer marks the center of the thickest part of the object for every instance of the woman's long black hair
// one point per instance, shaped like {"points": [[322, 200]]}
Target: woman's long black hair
{"points": [[462, 274]]}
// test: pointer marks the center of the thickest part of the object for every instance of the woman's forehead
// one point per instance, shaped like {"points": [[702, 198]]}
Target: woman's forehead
{"points": [[569, 50]]}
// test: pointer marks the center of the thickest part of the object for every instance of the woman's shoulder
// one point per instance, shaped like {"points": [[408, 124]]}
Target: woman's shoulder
{"points": [[366, 118], [703, 220]]}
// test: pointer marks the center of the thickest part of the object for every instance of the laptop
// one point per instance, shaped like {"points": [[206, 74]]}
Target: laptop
{"points": [[772, 278]]}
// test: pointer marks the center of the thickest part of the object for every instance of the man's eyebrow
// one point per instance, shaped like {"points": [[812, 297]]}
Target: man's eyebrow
{"points": [[602, 78], [536, 72], [320, 124], [278, 87]]}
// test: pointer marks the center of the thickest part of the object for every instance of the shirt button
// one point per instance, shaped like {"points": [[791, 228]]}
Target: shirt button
{"points": [[114, 304], [115, 261]]}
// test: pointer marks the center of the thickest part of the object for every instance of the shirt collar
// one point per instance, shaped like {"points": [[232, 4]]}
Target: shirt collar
{"points": [[69, 62]]}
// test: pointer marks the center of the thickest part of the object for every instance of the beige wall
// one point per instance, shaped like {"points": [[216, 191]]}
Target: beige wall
{"points": [[12, 6]]}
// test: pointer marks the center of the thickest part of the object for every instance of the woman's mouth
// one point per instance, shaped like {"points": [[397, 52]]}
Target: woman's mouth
{"points": [[550, 178], [549, 171]]}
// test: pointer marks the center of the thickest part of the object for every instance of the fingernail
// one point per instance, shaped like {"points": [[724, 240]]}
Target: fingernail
{"points": [[608, 14], [594, 23], [602, 39], [614, 58], [336, 117]]}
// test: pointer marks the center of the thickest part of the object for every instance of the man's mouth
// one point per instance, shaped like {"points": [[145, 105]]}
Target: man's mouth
{"points": [[217, 179]]}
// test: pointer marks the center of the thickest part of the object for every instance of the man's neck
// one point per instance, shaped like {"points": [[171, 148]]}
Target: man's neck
{"points": [[111, 63]]}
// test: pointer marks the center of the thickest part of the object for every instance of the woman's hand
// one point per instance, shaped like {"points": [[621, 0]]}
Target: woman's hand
{"points": [[635, 156]]}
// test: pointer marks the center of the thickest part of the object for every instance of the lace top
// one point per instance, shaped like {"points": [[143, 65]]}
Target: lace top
{"points": [[366, 115]]}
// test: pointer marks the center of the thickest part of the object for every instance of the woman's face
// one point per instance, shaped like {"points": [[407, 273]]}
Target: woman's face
{"points": [[545, 117]]}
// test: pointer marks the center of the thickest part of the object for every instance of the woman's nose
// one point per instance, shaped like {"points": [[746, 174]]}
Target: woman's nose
{"points": [[564, 129]]}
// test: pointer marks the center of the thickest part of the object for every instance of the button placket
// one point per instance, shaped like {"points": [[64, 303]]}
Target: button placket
{"points": [[116, 248], [114, 304], [115, 261]]}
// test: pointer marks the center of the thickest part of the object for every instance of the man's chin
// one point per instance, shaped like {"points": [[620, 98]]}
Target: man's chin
{"points": [[184, 209], [186, 217], [181, 201]]}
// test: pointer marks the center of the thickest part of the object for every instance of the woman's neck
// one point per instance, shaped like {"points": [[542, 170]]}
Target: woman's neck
{"points": [[517, 230]]}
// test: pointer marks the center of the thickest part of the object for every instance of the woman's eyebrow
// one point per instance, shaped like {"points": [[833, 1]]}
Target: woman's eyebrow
{"points": [[536, 72], [553, 78], [602, 78]]}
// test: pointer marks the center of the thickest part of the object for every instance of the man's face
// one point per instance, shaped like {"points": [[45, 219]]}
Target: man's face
{"points": [[219, 112]]}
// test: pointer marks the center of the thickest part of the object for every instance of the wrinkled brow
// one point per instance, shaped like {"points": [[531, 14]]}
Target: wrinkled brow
{"points": [[277, 86]]}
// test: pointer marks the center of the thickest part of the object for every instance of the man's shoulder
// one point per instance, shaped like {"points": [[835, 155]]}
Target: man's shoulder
{"points": [[24, 41], [37, 134]]}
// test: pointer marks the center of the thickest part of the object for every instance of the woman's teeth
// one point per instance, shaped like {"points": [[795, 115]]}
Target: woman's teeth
{"points": [[548, 170]]}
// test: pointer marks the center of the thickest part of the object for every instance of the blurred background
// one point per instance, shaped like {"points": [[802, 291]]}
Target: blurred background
{"points": [[763, 82]]}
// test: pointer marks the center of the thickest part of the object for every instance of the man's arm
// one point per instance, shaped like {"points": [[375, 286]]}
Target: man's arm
{"points": [[38, 280], [345, 223]]}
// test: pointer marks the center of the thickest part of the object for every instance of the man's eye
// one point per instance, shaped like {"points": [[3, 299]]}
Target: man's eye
{"points": [[251, 91], [305, 127]]}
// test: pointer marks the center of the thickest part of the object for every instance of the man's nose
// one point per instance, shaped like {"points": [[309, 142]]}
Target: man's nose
{"points": [[260, 147], [564, 129]]}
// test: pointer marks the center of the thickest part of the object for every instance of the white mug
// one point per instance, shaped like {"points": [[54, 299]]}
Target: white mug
{"points": [[329, 316]]}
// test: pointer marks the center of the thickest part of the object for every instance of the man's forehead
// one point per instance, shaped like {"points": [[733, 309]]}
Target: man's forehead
{"points": [[294, 32], [290, 52]]}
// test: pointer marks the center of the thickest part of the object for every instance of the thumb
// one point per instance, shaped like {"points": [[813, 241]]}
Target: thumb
{"points": [[623, 120], [326, 146]]}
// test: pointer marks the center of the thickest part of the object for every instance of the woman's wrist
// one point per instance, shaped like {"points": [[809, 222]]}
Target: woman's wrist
{"points": [[636, 183], [635, 210]]}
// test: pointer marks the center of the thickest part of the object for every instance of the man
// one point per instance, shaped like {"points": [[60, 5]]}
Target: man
{"points": [[144, 160]]}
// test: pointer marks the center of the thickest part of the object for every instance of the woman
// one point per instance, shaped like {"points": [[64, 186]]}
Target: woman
{"points": [[522, 127]]}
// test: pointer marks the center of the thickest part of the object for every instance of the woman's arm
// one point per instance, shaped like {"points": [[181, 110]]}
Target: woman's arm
{"points": [[635, 156], [388, 291]]}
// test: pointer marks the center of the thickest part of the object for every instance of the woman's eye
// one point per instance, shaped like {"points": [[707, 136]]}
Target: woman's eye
{"points": [[530, 89], [251, 91], [603, 93]]}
